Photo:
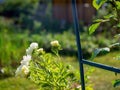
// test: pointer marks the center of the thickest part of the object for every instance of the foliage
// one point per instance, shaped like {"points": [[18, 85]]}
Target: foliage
{"points": [[94, 27], [31, 14], [8, 50], [10, 46], [44, 70], [114, 18], [17, 6], [20, 12], [98, 3]]}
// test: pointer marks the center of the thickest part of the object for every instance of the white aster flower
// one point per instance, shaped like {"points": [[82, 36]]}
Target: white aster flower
{"points": [[55, 43], [23, 69]]}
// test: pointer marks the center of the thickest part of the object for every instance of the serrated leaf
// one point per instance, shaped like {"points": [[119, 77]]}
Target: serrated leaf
{"points": [[116, 83], [98, 3], [93, 27]]}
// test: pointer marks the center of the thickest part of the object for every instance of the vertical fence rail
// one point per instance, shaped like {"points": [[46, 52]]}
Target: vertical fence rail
{"points": [[76, 26]]}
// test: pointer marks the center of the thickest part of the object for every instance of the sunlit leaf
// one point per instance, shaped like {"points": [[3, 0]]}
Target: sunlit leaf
{"points": [[98, 3], [93, 27], [108, 16]]}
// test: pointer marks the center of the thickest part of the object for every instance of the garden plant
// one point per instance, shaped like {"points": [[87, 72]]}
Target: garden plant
{"points": [[46, 71]]}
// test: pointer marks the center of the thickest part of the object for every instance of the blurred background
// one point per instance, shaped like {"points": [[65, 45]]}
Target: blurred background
{"points": [[26, 21]]}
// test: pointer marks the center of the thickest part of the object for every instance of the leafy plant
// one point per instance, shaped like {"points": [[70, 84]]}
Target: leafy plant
{"points": [[114, 18], [43, 69]]}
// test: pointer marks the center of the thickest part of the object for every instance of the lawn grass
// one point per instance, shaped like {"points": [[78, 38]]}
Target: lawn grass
{"points": [[100, 79], [14, 83]]}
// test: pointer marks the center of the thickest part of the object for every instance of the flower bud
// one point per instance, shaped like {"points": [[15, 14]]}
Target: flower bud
{"points": [[40, 51], [55, 43]]}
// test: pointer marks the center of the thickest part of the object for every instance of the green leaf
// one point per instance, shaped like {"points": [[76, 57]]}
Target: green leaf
{"points": [[108, 16], [98, 51], [118, 4], [95, 53], [116, 83], [98, 3], [93, 27]]}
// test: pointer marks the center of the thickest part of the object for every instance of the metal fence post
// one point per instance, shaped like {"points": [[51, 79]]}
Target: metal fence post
{"points": [[76, 26]]}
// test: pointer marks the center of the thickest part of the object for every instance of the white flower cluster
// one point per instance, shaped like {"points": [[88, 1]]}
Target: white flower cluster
{"points": [[23, 69], [31, 48]]}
